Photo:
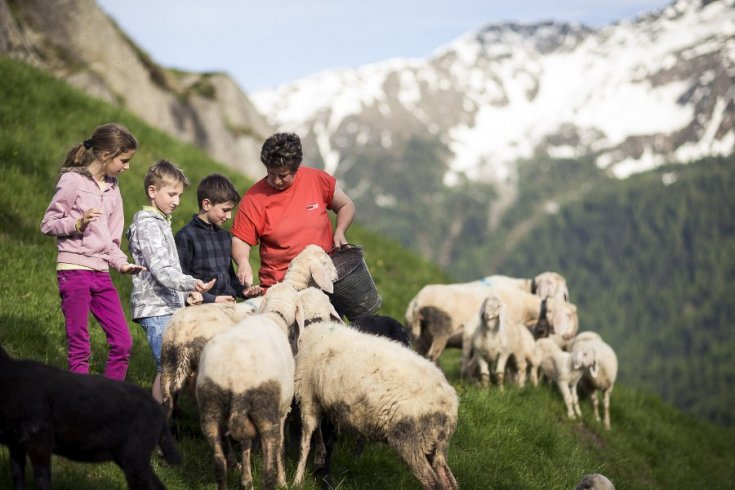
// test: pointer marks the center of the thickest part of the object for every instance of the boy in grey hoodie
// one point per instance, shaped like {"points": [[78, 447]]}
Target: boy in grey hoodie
{"points": [[159, 291]]}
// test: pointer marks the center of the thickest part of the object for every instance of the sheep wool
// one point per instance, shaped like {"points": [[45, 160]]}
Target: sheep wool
{"points": [[381, 390]]}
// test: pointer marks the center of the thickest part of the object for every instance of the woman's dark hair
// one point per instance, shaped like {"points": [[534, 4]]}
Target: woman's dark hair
{"points": [[282, 150], [111, 139], [218, 189]]}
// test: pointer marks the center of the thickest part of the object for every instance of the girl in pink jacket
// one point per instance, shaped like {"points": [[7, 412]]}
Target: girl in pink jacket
{"points": [[86, 217]]}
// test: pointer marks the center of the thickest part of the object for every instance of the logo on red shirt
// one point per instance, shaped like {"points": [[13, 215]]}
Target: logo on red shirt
{"points": [[310, 207]]}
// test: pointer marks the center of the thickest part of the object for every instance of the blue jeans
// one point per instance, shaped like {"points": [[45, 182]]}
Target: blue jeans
{"points": [[154, 327]]}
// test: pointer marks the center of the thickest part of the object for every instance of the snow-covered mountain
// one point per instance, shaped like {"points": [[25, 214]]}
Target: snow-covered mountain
{"points": [[631, 96]]}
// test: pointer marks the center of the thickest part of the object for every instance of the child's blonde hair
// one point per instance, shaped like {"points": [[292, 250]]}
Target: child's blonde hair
{"points": [[164, 173], [112, 139]]}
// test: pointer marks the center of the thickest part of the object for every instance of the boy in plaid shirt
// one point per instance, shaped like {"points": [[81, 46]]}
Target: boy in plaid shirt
{"points": [[204, 246]]}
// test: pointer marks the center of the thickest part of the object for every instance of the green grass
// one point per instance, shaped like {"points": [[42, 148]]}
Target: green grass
{"points": [[517, 439]]}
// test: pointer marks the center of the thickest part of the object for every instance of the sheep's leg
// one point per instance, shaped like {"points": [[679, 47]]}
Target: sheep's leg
{"points": [[606, 401], [437, 347], [521, 361], [566, 393], [309, 422], [39, 453], [534, 374], [575, 400], [246, 478], [212, 430], [280, 468], [595, 404], [167, 399], [484, 371], [465, 360], [500, 369], [269, 441], [18, 466]]}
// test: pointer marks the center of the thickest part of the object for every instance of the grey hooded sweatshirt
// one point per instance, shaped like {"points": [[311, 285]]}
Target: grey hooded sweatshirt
{"points": [[159, 290]]}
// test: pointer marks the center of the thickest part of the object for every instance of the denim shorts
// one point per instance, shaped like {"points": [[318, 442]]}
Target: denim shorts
{"points": [[154, 327]]}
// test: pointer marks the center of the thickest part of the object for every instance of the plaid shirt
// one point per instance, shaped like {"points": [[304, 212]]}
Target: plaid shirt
{"points": [[204, 252]]}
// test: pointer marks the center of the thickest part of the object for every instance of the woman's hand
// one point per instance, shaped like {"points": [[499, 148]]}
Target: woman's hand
{"points": [[224, 299], [339, 238], [203, 287], [132, 269]]}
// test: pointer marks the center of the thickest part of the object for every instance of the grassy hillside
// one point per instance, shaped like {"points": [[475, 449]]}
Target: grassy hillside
{"points": [[516, 439], [651, 266]]}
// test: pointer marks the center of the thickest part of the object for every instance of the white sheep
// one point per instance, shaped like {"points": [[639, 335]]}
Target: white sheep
{"points": [[491, 338], [245, 385], [544, 285], [381, 390], [187, 333], [607, 370], [191, 327], [566, 369], [312, 267], [437, 314], [522, 308]]}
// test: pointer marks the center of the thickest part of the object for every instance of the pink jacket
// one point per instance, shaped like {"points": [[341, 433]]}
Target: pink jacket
{"points": [[99, 245]]}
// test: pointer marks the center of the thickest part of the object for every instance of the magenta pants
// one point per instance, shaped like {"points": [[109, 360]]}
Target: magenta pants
{"points": [[83, 291]]}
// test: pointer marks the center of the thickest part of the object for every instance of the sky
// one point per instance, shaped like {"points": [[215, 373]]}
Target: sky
{"points": [[263, 44]]}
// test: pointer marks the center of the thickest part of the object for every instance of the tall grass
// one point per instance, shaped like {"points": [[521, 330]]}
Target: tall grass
{"points": [[516, 439]]}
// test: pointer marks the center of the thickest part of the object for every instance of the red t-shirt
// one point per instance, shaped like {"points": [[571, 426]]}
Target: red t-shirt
{"points": [[285, 222]]}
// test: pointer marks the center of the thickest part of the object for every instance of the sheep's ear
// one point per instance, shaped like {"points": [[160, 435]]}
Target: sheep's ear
{"points": [[299, 319], [593, 369], [321, 276], [334, 314], [576, 360]]}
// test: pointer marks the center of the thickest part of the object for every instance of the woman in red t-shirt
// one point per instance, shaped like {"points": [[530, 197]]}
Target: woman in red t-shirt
{"points": [[285, 212]]}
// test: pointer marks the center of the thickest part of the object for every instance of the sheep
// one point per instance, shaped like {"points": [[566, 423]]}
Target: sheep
{"points": [[361, 382], [544, 285], [47, 410], [566, 369], [192, 327], [384, 326], [187, 333], [245, 385], [607, 371], [438, 312], [491, 338], [595, 481], [312, 266], [521, 308]]}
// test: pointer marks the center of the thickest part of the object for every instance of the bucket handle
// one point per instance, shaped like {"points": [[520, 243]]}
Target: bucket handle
{"points": [[345, 246]]}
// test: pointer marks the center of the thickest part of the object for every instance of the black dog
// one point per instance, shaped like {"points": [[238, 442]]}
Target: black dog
{"points": [[45, 410]]}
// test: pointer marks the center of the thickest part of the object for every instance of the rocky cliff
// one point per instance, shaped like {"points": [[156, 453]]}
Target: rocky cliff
{"points": [[75, 41]]}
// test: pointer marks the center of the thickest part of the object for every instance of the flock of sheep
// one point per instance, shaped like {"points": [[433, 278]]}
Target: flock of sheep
{"points": [[248, 362]]}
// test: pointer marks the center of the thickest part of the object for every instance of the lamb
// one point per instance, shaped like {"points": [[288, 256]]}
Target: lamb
{"points": [[381, 390], [192, 327], [607, 371], [47, 410], [521, 308], [566, 369], [245, 386], [438, 312], [492, 339]]}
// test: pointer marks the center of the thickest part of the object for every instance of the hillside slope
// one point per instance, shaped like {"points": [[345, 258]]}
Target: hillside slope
{"points": [[516, 439], [651, 265]]}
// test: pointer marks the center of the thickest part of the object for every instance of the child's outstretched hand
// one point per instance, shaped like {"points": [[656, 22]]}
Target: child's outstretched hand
{"points": [[224, 299], [132, 269], [252, 291], [203, 287]]}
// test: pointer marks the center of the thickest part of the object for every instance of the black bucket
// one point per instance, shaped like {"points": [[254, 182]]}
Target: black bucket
{"points": [[355, 294]]}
